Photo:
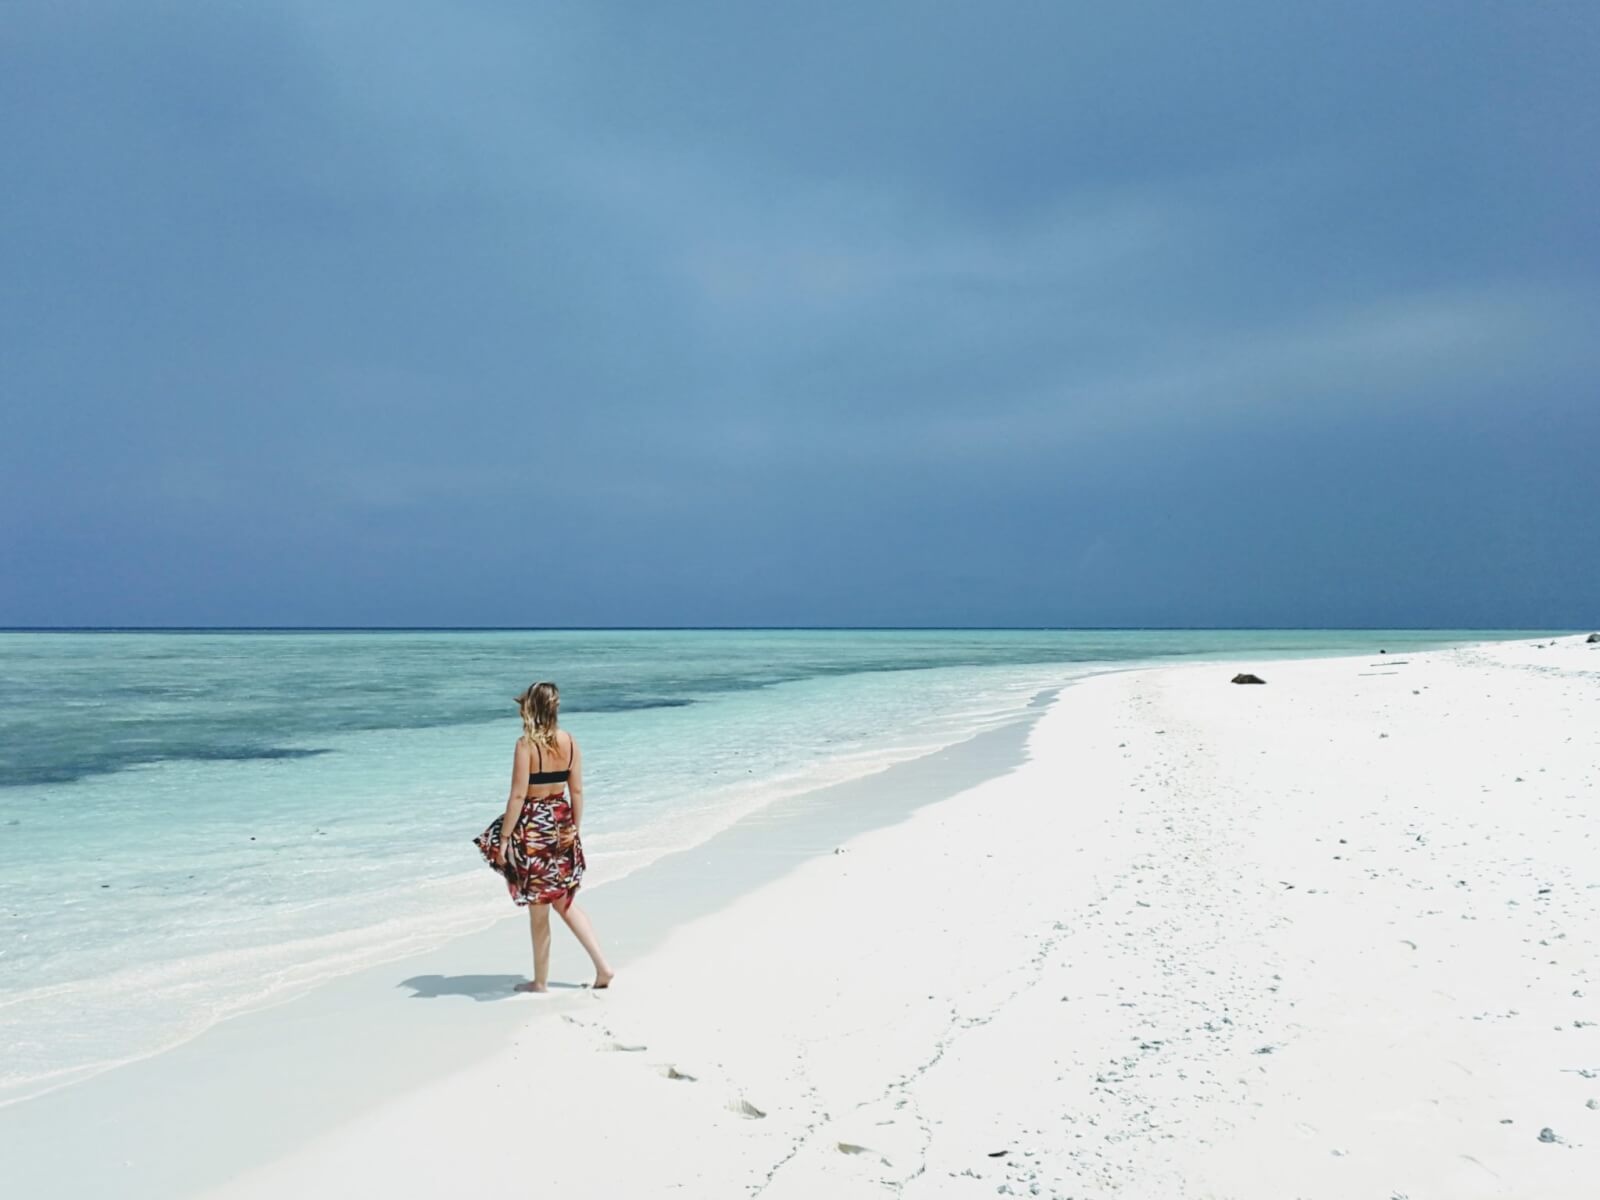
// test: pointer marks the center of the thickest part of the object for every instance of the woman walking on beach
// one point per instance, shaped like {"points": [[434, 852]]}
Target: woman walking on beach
{"points": [[542, 858]]}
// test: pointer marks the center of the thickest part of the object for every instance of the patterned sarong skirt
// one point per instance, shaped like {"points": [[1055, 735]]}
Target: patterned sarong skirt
{"points": [[544, 857]]}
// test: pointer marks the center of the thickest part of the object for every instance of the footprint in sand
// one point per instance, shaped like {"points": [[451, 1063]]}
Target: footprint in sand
{"points": [[672, 1072], [745, 1109], [852, 1148]]}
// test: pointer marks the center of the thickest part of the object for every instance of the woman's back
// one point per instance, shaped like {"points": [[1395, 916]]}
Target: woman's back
{"points": [[551, 767]]}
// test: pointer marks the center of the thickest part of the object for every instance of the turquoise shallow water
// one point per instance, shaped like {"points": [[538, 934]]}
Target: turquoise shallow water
{"points": [[195, 824]]}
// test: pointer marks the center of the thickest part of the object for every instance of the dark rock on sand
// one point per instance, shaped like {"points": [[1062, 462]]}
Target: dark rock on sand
{"points": [[1246, 677], [1593, 639], [1548, 1135]]}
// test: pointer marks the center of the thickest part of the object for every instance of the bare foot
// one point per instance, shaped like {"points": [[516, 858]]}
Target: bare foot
{"points": [[530, 987], [603, 980]]}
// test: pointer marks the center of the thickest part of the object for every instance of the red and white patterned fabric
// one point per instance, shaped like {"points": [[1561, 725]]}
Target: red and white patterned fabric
{"points": [[544, 857]]}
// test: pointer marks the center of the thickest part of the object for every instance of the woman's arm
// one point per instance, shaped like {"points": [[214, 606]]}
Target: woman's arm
{"points": [[575, 783], [519, 793]]}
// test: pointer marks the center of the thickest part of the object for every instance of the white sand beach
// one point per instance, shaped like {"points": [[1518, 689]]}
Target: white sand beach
{"points": [[1332, 937]]}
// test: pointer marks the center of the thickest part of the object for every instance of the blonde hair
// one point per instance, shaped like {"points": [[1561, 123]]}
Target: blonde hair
{"points": [[539, 705]]}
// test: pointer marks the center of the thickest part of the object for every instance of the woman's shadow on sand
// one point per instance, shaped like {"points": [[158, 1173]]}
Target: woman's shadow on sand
{"points": [[473, 987]]}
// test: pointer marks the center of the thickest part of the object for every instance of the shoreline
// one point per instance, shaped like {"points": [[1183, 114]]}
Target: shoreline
{"points": [[343, 1029], [293, 833], [1208, 941]]}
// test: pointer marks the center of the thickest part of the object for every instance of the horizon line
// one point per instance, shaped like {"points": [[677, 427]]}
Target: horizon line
{"points": [[774, 628]]}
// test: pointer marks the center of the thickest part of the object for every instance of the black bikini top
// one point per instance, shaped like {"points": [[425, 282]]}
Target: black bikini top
{"points": [[543, 776]]}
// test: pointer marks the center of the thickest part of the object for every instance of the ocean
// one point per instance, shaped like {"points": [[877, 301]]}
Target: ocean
{"points": [[194, 824]]}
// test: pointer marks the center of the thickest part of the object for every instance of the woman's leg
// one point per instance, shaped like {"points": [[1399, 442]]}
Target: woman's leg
{"points": [[578, 921], [539, 927]]}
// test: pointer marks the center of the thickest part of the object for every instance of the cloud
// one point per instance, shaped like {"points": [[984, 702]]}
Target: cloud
{"points": [[714, 284]]}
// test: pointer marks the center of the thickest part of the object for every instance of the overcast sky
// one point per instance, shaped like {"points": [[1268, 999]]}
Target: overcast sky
{"points": [[589, 313]]}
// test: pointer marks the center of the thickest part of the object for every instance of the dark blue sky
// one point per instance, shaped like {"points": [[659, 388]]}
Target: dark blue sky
{"points": [[588, 313]]}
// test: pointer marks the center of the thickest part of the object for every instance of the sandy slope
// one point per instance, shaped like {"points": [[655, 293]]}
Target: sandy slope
{"points": [[1330, 937]]}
